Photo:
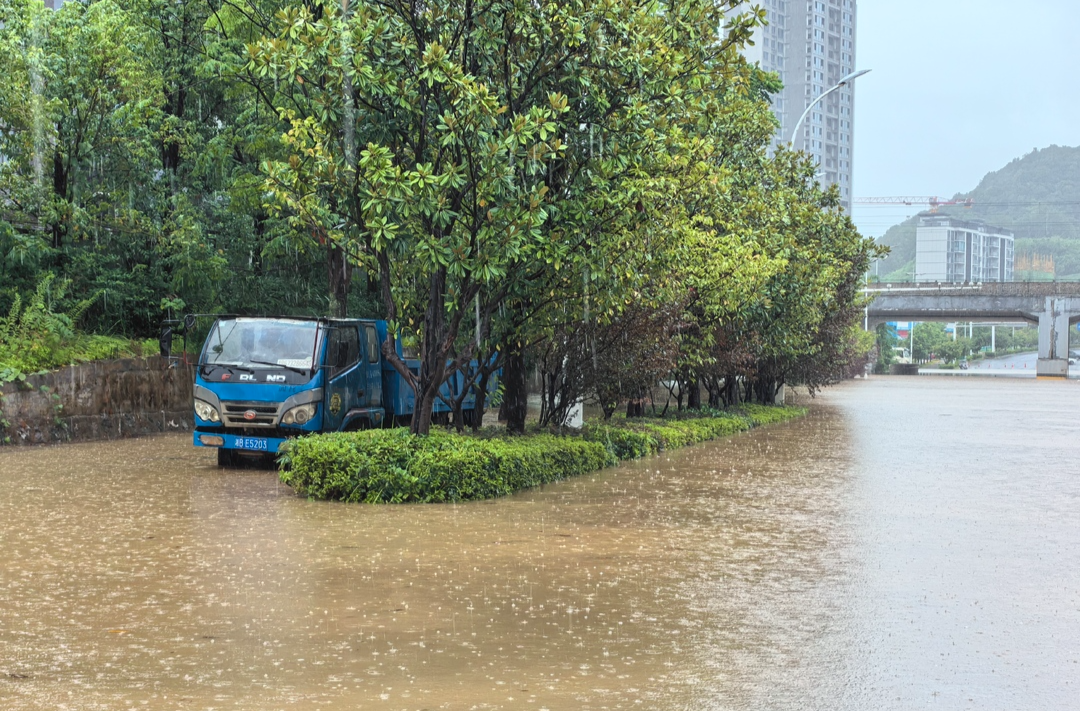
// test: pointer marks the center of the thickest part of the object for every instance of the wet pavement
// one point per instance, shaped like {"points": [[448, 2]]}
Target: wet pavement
{"points": [[912, 543]]}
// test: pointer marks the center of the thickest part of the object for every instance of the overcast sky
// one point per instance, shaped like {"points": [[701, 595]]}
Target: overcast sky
{"points": [[958, 88]]}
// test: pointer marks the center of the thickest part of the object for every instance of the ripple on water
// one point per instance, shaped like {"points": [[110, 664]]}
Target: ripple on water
{"points": [[911, 542]]}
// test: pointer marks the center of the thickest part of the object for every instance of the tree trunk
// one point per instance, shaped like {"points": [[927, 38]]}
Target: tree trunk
{"points": [[60, 190], [459, 415], [515, 395], [421, 419], [693, 394], [339, 273], [481, 393]]}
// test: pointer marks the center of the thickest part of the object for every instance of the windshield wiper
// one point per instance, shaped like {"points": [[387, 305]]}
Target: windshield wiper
{"points": [[234, 366], [293, 368]]}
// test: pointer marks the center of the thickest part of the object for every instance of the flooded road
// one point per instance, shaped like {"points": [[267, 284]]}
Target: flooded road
{"points": [[912, 543]]}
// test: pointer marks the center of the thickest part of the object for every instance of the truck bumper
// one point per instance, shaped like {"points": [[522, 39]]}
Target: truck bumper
{"points": [[241, 442]]}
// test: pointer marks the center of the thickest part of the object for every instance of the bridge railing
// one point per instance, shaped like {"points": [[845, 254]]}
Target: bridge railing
{"points": [[992, 288]]}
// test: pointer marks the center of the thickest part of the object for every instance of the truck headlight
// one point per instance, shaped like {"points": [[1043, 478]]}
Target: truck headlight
{"points": [[206, 411], [299, 415]]}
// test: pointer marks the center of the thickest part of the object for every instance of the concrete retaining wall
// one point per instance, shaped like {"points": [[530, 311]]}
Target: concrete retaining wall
{"points": [[100, 400]]}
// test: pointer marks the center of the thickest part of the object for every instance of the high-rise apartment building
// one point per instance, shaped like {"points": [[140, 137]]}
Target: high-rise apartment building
{"points": [[948, 249], [811, 45]]}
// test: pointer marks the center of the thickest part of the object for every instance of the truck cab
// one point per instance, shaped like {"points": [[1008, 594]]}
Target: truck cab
{"points": [[261, 381]]}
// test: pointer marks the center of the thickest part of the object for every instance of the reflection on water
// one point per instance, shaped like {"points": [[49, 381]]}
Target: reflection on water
{"points": [[910, 543]]}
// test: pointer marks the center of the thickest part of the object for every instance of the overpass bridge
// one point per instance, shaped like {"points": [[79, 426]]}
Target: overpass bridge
{"points": [[1054, 306]]}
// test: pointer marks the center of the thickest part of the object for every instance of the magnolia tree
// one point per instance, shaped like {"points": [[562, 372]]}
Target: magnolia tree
{"points": [[487, 161]]}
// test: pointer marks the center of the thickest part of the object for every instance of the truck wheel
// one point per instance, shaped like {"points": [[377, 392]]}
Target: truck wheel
{"points": [[226, 458], [468, 417]]}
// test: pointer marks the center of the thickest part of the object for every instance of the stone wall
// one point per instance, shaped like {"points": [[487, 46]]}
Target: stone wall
{"points": [[100, 400]]}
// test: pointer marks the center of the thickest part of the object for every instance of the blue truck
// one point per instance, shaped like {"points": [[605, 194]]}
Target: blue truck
{"points": [[262, 381]]}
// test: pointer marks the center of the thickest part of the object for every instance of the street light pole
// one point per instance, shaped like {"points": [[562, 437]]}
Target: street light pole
{"points": [[843, 82]]}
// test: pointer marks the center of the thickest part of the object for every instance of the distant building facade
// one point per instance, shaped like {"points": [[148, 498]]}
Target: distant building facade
{"points": [[952, 250], [811, 45]]}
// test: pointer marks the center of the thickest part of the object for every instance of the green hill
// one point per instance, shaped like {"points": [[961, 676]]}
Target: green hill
{"points": [[1037, 197]]}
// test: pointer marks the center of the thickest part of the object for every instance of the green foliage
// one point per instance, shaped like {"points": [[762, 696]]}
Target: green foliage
{"points": [[886, 341], [930, 341], [761, 415], [579, 183], [393, 466], [1065, 252], [504, 158], [621, 443], [33, 336], [132, 141]]}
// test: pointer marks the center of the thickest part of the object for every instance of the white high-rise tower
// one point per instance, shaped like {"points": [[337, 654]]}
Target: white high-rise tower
{"points": [[811, 45]]}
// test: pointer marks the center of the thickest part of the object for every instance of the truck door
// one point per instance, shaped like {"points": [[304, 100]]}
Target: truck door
{"points": [[374, 367], [345, 374]]}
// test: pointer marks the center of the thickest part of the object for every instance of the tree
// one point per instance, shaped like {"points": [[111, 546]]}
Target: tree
{"points": [[514, 190], [886, 342], [74, 90], [929, 341]]}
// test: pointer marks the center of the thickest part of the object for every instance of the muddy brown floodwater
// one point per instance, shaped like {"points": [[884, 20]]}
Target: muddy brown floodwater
{"points": [[912, 543]]}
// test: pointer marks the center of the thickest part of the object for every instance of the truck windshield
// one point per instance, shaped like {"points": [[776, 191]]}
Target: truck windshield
{"points": [[261, 343]]}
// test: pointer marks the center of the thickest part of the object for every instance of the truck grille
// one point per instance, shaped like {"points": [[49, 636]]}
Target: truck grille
{"points": [[266, 414]]}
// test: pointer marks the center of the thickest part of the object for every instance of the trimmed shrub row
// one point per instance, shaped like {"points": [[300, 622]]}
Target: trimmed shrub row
{"points": [[391, 466]]}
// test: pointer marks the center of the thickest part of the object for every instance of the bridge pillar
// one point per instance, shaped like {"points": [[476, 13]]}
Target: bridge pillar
{"points": [[1053, 341]]}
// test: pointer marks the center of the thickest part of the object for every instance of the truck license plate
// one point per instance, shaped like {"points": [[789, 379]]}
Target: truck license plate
{"points": [[253, 443]]}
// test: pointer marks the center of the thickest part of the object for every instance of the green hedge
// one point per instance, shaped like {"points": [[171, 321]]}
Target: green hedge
{"points": [[392, 466]]}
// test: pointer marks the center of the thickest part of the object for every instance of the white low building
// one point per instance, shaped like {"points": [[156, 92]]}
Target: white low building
{"points": [[952, 250]]}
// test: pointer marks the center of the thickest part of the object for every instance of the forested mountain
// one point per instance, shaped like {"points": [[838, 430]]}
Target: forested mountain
{"points": [[1037, 197]]}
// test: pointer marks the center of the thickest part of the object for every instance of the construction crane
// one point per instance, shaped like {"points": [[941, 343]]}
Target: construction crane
{"points": [[933, 201]]}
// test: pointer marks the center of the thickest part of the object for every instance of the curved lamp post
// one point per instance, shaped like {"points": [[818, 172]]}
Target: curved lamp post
{"points": [[846, 80]]}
